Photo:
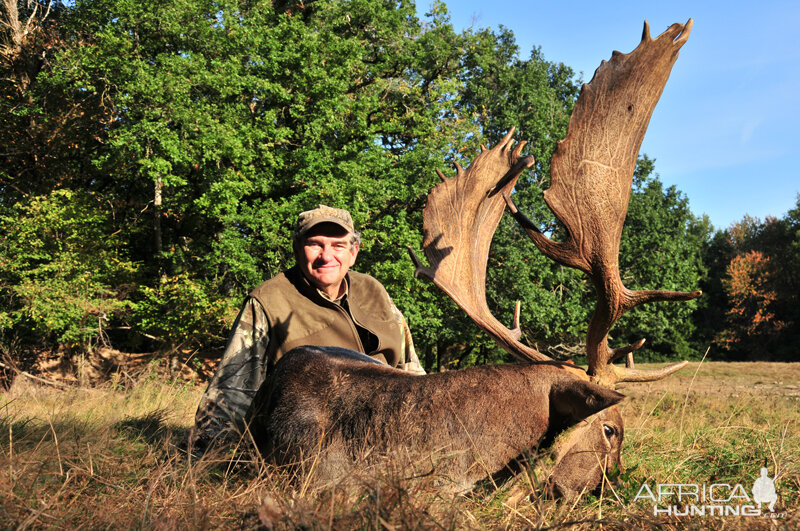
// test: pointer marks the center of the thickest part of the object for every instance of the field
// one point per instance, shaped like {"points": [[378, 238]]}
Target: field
{"points": [[109, 457]]}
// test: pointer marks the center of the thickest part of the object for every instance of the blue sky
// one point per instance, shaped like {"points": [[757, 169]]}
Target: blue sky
{"points": [[726, 129]]}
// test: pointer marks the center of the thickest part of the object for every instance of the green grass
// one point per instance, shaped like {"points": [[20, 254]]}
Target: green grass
{"points": [[108, 457]]}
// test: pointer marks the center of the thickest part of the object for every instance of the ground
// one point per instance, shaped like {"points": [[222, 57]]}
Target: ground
{"points": [[108, 457]]}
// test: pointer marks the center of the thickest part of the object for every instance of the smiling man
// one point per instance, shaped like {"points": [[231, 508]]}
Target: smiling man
{"points": [[326, 255], [319, 302]]}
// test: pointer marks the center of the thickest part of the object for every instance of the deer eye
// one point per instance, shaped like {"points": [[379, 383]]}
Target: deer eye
{"points": [[609, 430]]}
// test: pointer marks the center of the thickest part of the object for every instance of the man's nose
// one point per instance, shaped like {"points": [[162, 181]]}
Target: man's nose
{"points": [[327, 253]]}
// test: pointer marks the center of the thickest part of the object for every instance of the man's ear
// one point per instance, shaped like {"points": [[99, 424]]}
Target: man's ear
{"points": [[354, 252], [297, 249], [572, 400]]}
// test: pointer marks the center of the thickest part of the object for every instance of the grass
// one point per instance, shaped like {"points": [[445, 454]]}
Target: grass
{"points": [[109, 457]]}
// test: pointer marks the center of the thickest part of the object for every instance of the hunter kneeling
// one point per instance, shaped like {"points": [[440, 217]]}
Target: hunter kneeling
{"points": [[317, 302]]}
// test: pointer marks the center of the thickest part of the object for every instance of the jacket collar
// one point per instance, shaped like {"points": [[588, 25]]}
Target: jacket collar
{"points": [[301, 282]]}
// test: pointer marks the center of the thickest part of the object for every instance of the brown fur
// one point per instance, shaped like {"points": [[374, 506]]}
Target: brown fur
{"points": [[335, 407], [591, 449]]}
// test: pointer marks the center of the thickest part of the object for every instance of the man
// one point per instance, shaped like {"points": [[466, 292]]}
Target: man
{"points": [[319, 302]]}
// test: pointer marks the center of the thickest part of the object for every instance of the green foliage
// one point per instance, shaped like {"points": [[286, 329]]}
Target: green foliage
{"points": [[180, 307], [64, 270], [207, 126], [661, 248], [186, 136]]}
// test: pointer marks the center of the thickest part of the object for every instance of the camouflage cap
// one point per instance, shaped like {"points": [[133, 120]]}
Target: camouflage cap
{"points": [[323, 214]]}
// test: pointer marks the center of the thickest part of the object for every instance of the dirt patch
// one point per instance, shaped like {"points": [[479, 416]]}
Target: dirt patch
{"points": [[779, 388], [726, 379]]}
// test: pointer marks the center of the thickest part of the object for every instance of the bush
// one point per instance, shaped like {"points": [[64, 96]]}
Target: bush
{"points": [[62, 270], [182, 309]]}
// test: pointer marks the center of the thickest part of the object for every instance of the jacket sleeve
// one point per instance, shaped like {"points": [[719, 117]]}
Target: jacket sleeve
{"points": [[241, 372], [410, 361]]}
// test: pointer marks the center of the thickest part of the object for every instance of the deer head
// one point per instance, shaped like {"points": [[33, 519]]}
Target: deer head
{"points": [[591, 175]]}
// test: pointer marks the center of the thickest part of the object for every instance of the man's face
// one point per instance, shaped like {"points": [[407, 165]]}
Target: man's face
{"points": [[325, 256]]}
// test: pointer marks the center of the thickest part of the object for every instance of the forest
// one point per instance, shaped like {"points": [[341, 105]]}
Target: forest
{"points": [[155, 157]]}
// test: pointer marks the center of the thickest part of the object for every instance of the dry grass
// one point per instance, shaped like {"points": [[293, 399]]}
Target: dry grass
{"points": [[109, 458]]}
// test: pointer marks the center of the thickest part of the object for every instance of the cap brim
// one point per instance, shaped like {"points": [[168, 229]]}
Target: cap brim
{"points": [[311, 224]]}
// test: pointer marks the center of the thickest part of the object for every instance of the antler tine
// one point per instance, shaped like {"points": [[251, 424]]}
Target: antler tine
{"points": [[515, 323], [619, 352], [687, 30], [564, 253], [507, 140], [633, 375], [420, 269], [645, 296], [591, 174], [646, 32]]}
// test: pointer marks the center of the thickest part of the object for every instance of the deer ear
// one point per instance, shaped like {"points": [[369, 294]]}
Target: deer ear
{"points": [[572, 400]]}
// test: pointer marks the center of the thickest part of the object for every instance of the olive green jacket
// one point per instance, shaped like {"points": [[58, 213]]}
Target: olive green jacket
{"points": [[298, 314], [286, 312]]}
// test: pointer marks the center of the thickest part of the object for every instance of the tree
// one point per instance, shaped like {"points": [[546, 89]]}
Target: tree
{"points": [[190, 134], [662, 248], [754, 267], [750, 325], [49, 130], [63, 278], [223, 120]]}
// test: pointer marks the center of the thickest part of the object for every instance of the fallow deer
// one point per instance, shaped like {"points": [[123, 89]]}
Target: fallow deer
{"points": [[479, 420]]}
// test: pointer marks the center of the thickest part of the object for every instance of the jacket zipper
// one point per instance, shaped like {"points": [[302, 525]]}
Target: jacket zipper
{"points": [[351, 321]]}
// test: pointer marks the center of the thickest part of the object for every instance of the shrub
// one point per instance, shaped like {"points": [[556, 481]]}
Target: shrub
{"points": [[62, 270], [182, 309]]}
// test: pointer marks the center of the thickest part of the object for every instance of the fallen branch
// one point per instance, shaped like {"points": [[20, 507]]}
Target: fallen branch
{"points": [[32, 377]]}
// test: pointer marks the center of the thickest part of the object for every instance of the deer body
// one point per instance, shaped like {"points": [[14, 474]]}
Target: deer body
{"points": [[337, 407]]}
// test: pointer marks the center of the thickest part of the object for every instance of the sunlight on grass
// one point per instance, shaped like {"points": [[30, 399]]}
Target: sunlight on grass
{"points": [[109, 457]]}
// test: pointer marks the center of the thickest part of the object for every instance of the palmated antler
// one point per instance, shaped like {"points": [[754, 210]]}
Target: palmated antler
{"points": [[459, 221], [591, 174]]}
